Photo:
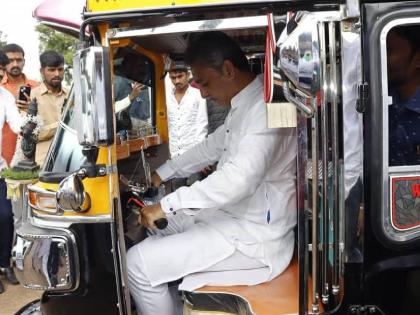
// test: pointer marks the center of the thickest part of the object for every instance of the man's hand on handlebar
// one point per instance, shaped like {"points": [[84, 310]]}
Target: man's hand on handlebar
{"points": [[150, 214], [156, 180]]}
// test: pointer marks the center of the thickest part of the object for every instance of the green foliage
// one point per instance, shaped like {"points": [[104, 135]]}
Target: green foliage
{"points": [[18, 175], [3, 39], [50, 39]]}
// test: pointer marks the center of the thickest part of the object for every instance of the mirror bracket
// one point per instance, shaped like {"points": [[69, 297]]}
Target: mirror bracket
{"points": [[90, 169]]}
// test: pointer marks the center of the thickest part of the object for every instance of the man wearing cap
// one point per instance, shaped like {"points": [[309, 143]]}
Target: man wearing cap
{"points": [[187, 114]]}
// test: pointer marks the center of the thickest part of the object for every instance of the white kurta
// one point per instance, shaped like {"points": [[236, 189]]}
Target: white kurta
{"points": [[187, 121], [250, 200]]}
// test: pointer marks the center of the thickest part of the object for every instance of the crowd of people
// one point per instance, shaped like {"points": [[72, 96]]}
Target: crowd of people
{"points": [[17, 91]]}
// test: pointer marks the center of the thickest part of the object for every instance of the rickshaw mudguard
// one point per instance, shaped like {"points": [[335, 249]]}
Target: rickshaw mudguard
{"points": [[83, 254]]}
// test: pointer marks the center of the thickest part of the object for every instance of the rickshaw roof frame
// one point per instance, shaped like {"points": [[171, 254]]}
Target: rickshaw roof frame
{"points": [[259, 21]]}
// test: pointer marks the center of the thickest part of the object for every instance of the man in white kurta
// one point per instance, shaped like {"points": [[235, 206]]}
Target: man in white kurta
{"points": [[8, 114], [237, 224], [187, 111]]}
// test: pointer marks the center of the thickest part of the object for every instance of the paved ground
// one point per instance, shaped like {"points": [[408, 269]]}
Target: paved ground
{"points": [[14, 297]]}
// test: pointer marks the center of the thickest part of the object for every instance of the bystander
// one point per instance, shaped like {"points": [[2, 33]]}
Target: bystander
{"points": [[50, 95], [12, 81], [9, 114]]}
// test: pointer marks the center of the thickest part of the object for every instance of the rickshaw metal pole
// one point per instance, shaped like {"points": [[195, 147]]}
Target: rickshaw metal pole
{"points": [[324, 155], [315, 145], [302, 196], [306, 110], [333, 78]]}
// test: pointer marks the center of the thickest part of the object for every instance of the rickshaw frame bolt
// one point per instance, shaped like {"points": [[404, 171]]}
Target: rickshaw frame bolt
{"points": [[102, 171]]}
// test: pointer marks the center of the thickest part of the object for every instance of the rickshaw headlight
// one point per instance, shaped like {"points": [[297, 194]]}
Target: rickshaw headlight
{"points": [[71, 195]]}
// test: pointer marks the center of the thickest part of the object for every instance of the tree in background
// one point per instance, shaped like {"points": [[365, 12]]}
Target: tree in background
{"points": [[50, 39], [3, 39]]}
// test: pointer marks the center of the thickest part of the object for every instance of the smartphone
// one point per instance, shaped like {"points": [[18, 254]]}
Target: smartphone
{"points": [[22, 90]]}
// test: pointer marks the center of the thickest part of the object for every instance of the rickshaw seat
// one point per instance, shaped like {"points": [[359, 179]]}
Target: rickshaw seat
{"points": [[279, 296]]}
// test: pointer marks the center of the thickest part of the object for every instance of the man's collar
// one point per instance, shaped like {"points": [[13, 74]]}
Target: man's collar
{"points": [[44, 89], [174, 89], [413, 103], [26, 81], [6, 78], [243, 94]]}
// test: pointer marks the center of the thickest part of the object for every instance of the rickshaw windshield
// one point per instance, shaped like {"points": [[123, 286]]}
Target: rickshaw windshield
{"points": [[65, 152]]}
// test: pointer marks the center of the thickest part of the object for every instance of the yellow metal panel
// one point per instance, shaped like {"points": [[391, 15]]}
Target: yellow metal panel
{"points": [[118, 5], [97, 188]]}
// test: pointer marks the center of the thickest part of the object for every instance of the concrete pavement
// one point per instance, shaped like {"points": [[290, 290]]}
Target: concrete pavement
{"points": [[15, 296]]}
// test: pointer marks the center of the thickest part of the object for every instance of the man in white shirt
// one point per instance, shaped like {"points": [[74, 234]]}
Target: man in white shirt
{"points": [[187, 111], [187, 117], [8, 113], [239, 220]]}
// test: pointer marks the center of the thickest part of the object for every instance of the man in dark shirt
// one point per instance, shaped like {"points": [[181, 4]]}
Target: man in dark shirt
{"points": [[403, 48]]}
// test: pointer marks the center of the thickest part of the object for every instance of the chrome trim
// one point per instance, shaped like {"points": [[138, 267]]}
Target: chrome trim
{"points": [[71, 194], [111, 182], [404, 169], [407, 231], [302, 205], [53, 219], [352, 8], [387, 171], [92, 96], [333, 88], [46, 259], [193, 26], [315, 178], [324, 156], [307, 111], [52, 194]]}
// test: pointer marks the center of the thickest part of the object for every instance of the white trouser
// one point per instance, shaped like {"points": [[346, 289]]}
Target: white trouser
{"points": [[181, 249]]}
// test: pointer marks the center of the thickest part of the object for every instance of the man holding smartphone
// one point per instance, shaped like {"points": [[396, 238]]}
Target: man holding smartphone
{"points": [[50, 95], [12, 81]]}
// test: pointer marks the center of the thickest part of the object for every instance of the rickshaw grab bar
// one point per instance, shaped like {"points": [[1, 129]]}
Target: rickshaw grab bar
{"points": [[307, 110]]}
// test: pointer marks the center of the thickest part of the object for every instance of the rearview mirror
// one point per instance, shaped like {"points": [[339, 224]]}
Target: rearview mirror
{"points": [[93, 97]]}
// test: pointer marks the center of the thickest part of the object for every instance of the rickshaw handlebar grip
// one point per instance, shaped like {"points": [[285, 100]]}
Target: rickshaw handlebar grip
{"points": [[161, 223]]}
